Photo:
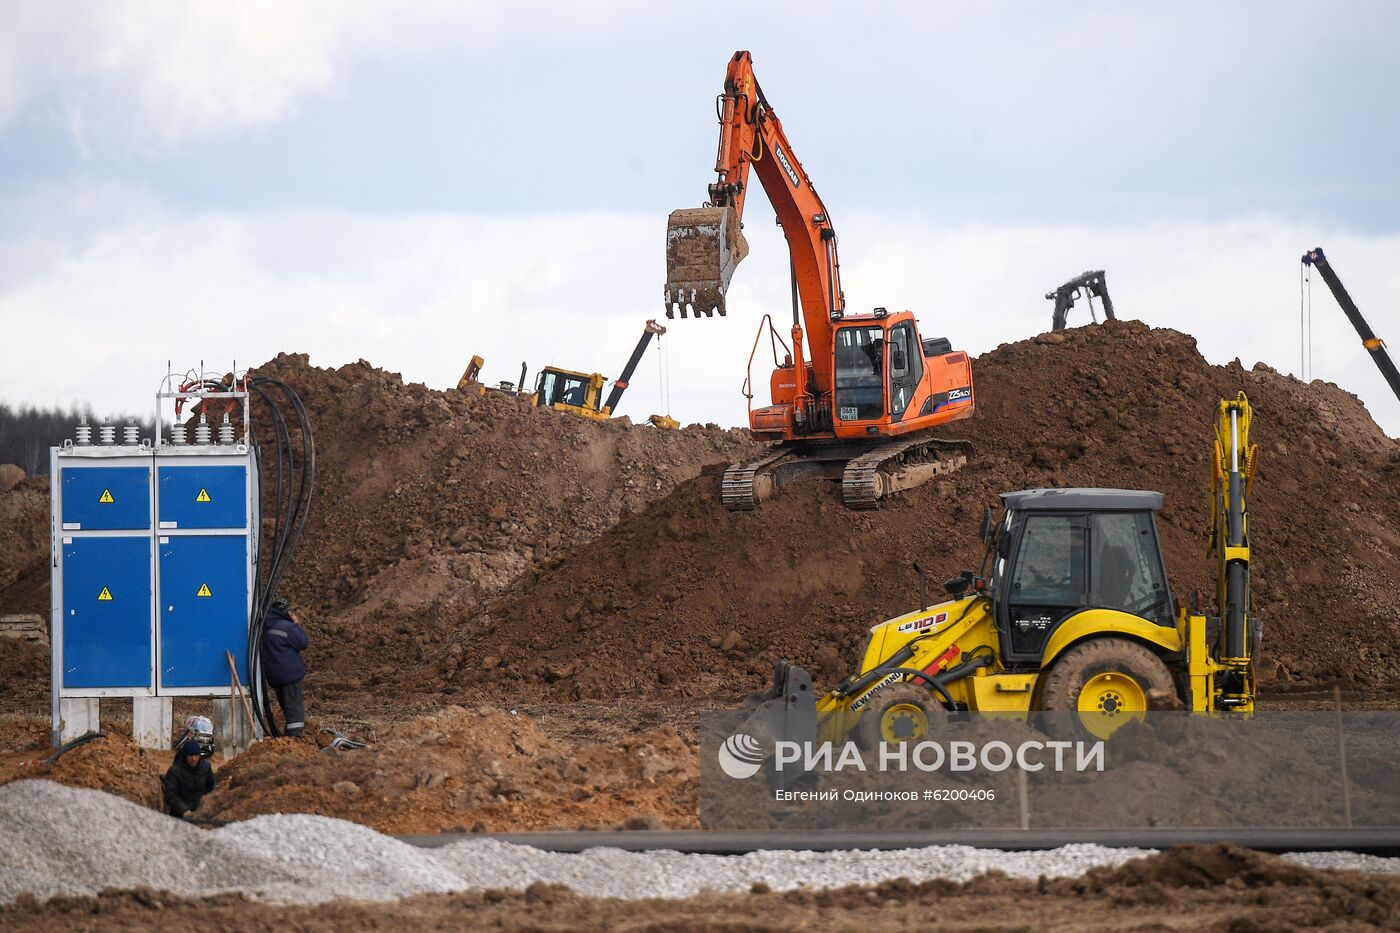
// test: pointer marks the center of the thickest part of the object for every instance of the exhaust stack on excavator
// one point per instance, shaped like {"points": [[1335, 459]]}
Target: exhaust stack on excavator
{"points": [[703, 246]]}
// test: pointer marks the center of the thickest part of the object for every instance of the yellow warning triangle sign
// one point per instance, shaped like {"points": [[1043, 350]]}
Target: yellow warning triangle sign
{"points": [[105, 596], [106, 496], [204, 590], [203, 496]]}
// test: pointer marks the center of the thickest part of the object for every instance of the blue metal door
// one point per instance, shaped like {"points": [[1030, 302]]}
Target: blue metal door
{"points": [[106, 611], [106, 498], [203, 496], [203, 609]]}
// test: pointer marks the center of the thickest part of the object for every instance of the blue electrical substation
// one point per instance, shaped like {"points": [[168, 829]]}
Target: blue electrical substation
{"points": [[154, 554]]}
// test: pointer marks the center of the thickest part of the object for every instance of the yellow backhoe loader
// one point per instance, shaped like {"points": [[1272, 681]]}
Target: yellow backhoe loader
{"points": [[1075, 618]]}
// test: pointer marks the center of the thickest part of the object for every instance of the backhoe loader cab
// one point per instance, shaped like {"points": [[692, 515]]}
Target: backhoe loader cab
{"points": [[1063, 551]]}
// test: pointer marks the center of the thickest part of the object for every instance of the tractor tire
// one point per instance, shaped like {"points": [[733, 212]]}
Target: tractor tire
{"points": [[899, 713], [1099, 685]]}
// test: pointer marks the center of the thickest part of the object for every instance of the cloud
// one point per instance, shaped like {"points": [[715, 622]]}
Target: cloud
{"points": [[96, 313], [148, 77]]}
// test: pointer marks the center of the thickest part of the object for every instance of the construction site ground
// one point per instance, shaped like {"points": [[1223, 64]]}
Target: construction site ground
{"points": [[524, 612], [1192, 888]]}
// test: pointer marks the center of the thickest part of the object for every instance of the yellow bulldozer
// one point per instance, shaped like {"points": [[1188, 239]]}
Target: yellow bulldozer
{"points": [[1075, 618], [572, 391]]}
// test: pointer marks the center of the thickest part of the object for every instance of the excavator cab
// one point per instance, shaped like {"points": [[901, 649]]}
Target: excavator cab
{"points": [[886, 381], [883, 370]]}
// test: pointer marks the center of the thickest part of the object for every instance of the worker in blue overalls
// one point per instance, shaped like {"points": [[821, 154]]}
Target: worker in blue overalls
{"points": [[283, 642]]}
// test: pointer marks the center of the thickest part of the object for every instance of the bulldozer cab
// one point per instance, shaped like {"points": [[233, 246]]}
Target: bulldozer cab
{"points": [[1061, 551], [566, 389]]}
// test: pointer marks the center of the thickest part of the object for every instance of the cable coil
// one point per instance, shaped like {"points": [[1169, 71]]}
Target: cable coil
{"points": [[295, 480]]}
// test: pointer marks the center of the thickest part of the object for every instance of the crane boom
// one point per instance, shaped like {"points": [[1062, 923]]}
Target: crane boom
{"points": [[1317, 259], [620, 385]]}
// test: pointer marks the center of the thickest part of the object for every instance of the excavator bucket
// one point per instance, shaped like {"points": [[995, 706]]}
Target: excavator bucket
{"points": [[703, 245]]}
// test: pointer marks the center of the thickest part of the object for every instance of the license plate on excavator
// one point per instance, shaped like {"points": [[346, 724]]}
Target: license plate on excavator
{"points": [[703, 245]]}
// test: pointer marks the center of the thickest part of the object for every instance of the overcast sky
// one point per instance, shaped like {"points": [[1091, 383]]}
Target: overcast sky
{"points": [[415, 182]]}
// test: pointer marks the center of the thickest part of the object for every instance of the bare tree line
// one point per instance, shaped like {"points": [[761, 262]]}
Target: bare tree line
{"points": [[27, 432]]}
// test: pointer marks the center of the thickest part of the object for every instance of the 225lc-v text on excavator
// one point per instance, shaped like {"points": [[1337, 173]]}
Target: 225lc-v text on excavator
{"points": [[854, 395]]}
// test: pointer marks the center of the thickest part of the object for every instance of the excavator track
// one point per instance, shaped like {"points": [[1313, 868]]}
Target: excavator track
{"points": [[865, 478], [738, 489], [899, 465]]}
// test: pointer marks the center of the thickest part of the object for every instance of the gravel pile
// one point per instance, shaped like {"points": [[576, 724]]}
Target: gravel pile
{"points": [[1347, 861], [57, 840], [614, 873]]}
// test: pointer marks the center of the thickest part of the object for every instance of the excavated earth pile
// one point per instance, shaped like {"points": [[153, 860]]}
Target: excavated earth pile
{"points": [[469, 770], [426, 502], [467, 548], [477, 770], [687, 599]]}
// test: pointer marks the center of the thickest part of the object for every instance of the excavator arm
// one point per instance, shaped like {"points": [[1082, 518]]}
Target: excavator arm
{"points": [[704, 245]]}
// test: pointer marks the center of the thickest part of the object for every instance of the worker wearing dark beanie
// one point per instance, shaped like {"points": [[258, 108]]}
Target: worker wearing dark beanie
{"points": [[190, 777]]}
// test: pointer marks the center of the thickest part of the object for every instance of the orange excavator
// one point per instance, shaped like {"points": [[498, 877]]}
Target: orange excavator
{"points": [[854, 395]]}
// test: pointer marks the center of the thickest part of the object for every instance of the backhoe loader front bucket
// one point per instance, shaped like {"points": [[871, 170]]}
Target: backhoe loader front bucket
{"points": [[703, 245]]}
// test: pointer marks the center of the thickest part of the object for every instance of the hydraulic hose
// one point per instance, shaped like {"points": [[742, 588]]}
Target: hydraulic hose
{"points": [[938, 683], [295, 472]]}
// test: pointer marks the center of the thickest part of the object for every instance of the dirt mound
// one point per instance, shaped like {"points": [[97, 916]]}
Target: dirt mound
{"points": [[689, 600], [114, 764], [460, 769], [24, 546], [428, 501], [1201, 866], [461, 493], [467, 548]]}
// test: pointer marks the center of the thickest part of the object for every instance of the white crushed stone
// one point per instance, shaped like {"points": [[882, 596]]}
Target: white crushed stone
{"points": [[57, 840], [1346, 861], [609, 872]]}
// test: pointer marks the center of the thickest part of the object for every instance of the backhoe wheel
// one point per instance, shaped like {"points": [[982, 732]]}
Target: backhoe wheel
{"points": [[1103, 684], [898, 713]]}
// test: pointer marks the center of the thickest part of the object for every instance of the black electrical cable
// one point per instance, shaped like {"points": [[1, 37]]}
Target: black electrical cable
{"points": [[67, 747], [291, 503], [294, 488]]}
